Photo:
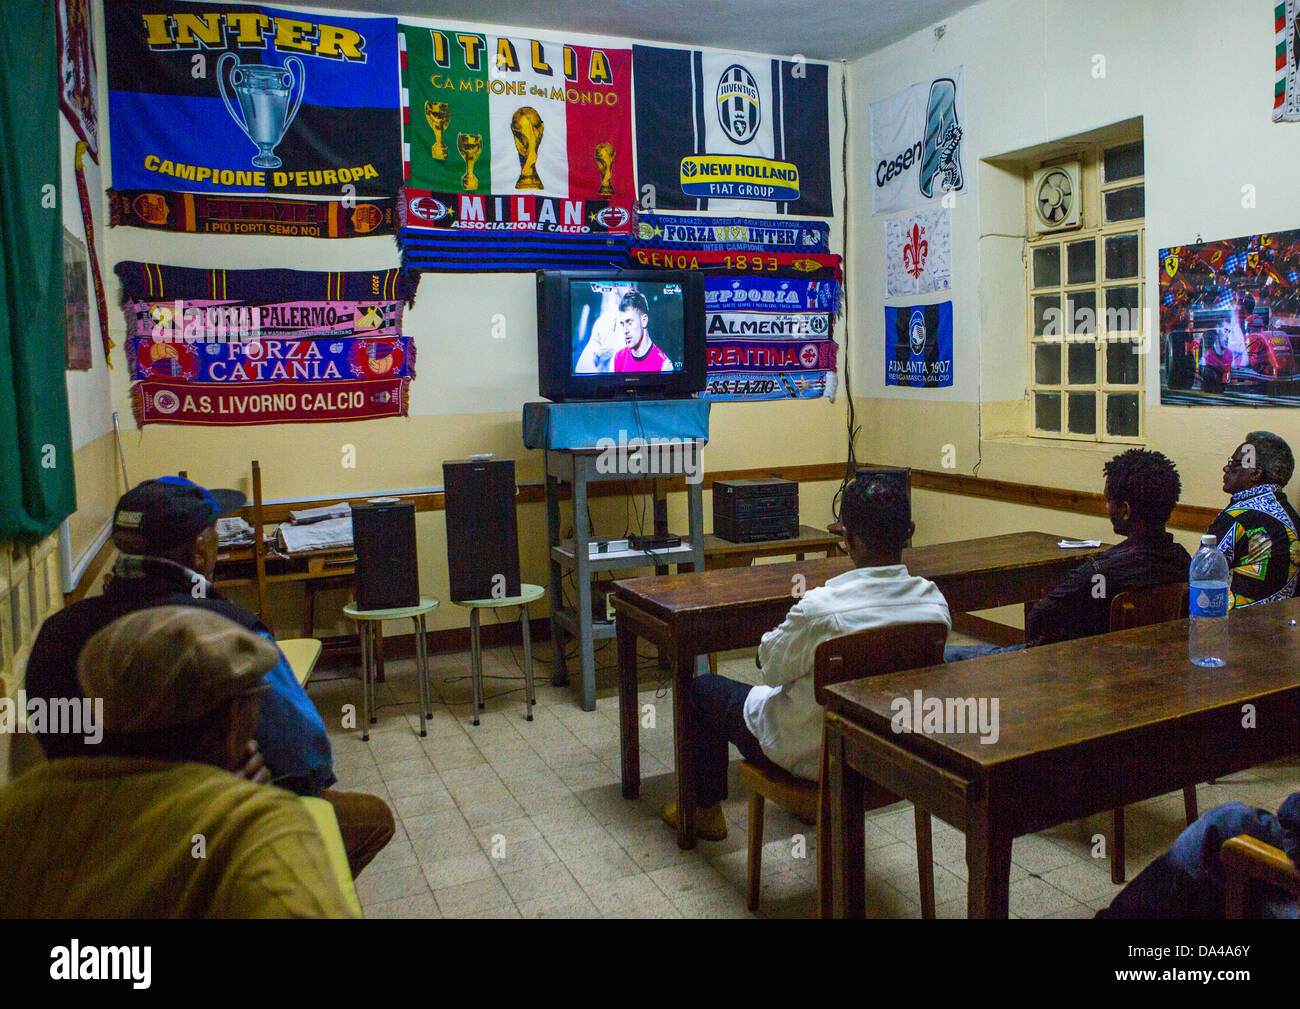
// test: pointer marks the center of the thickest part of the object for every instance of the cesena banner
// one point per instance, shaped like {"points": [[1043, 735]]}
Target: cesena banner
{"points": [[731, 133], [689, 231], [223, 97], [196, 213], [916, 144], [268, 402], [918, 345], [768, 294], [270, 360], [918, 253]]}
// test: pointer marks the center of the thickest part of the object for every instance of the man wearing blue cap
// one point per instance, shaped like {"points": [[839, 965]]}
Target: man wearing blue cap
{"points": [[166, 532]]}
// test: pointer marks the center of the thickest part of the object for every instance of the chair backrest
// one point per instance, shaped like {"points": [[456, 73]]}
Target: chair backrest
{"points": [[876, 651], [1154, 605]]}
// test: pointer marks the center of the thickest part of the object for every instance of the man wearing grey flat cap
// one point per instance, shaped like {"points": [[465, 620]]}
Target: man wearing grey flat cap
{"points": [[158, 823]]}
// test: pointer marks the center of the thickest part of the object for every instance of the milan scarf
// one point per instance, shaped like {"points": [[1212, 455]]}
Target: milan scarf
{"points": [[202, 214]]}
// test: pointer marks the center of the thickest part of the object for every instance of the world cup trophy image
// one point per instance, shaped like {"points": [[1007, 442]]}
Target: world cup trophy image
{"points": [[263, 93], [527, 126], [470, 146], [439, 115], [604, 153]]}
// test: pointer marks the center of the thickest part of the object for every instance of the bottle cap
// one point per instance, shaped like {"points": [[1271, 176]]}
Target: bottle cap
{"points": [[1209, 540]]}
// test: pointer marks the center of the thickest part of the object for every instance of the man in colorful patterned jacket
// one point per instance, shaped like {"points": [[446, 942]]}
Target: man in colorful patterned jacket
{"points": [[1258, 531]]}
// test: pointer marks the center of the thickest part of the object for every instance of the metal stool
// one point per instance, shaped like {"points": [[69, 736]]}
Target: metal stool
{"points": [[527, 594], [367, 620]]}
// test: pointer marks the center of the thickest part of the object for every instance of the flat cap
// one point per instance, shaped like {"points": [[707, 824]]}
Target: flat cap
{"points": [[169, 665]]}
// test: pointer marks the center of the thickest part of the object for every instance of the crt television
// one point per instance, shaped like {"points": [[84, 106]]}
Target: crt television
{"points": [[620, 333]]}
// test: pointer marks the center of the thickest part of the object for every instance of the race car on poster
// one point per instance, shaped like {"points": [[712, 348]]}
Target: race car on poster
{"points": [[1224, 357]]}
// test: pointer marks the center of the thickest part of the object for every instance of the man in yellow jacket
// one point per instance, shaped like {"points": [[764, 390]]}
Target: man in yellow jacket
{"points": [[160, 823]]}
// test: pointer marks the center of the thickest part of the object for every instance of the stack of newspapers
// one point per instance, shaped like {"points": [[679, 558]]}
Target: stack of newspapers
{"points": [[317, 529]]}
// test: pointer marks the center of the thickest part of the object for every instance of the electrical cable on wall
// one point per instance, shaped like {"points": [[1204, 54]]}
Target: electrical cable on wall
{"points": [[851, 463]]}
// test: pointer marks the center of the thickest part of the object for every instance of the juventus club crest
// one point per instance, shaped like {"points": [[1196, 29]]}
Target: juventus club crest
{"points": [[739, 109]]}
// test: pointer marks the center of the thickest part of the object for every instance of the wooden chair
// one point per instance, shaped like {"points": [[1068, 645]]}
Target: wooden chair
{"points": [[1139, 608], [1245, 859], [872, 652]]}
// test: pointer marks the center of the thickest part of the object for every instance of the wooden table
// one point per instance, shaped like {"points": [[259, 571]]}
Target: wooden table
{"points": [[720, 553], [1084, 726], [713, 611]]}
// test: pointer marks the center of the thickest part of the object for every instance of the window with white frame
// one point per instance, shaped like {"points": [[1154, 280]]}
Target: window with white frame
{"points": [[1086, 294]]}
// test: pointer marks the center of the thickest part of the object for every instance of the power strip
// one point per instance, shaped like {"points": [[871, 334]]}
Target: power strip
{"points": [[596, 548]]}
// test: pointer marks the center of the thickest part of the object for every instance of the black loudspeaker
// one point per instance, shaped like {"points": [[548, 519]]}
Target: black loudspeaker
{"points": [[482, 528], [383, 535]]}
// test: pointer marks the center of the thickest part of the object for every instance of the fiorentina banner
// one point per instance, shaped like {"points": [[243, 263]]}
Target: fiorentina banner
{"points": [[1286, 61], [252, 100], [517, 151], [730, 133], [918, 345], [916, 144], [77, 78], [1230, 322], [768, 339], [918, 253]]}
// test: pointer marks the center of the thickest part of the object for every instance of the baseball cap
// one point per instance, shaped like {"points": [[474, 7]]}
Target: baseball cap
{"points": [[169, 511], [165, 666]]}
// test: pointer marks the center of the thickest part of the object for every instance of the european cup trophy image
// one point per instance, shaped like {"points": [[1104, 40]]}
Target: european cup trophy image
{"points": [[604, 153], [527, 126], [439, 115], [470, 146], [263, 94]]}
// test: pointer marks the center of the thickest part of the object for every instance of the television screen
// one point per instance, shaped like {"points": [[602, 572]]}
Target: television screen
{"points": [[623, 327]]}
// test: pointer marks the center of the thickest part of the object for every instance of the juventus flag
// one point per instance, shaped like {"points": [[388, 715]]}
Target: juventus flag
{"points": [[731, 134]]}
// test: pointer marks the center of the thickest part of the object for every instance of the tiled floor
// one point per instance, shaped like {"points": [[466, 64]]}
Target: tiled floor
{"points": [[525, 819]]}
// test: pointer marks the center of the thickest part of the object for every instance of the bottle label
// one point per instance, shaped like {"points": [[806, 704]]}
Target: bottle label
{"points": [[1208, 602]]}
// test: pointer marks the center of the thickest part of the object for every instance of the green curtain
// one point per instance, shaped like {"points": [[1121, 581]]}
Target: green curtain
{"points": [[37, 484]]}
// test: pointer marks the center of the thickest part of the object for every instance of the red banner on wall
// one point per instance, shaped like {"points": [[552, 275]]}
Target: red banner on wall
{"points": [[268, 402]]}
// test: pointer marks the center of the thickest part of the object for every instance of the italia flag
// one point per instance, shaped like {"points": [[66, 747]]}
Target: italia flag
{"points": [[731, 133]]}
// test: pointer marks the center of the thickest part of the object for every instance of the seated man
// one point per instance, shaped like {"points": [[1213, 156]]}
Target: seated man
{"points": [[1187, 880], [151, 822], [780, 722], [166, 531], [1258, 530], [1141, 490]]}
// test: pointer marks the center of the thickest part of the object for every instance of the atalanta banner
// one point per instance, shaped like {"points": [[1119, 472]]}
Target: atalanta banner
{"points": [[1286, 61], [225, 97], [747, 234], [268, 402], [918, 253], [916, 144], [918, 345], [241, 215], [732, 133], [768, 294], [271, 360]]}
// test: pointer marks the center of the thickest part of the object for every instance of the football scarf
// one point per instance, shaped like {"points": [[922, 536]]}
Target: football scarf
{"points": [[1286, 59], [918, 253], [222, 97], [101, 303], [155, 282], [918, 345], [268, 402], [197, 213], [688, 231], [804, 265], [916, 144], [77, 77], [767, 294], [205, 320], [271, 360], [732, 133]]}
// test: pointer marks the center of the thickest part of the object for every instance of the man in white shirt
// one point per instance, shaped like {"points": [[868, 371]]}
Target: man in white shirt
{"points": [[779, 721]]}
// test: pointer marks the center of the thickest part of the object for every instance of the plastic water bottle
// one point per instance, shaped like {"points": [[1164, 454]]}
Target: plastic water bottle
{"points": [[1207, 640]]}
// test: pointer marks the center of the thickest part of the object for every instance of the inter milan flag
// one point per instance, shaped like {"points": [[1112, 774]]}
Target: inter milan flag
{"points": [[918, 345], [730, 133], [232, 98]]}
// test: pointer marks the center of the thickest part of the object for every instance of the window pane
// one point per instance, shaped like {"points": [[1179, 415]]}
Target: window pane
{"points": [[1125, 204], [1047, 364], [1121, 257], [1047, 411], [1122, 312], [1081, 312], [1047, 266], [1047, 315], [1083, 413], [1083, 364], [1123, 162], [1122, 366], [1081, 262], [1122, 415]]}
